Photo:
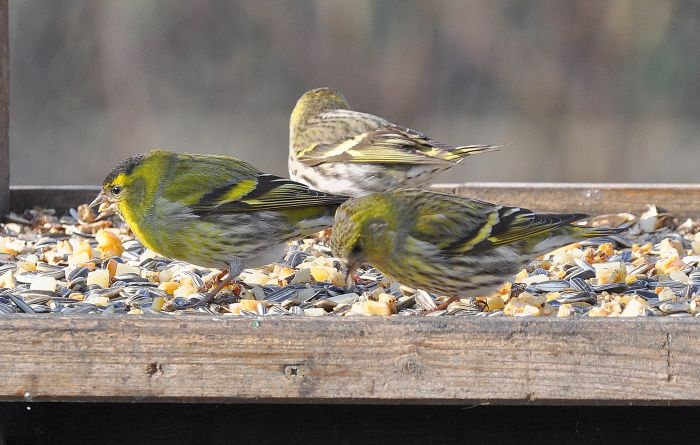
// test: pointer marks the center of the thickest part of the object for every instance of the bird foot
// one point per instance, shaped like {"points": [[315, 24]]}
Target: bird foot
{"points": [[213, 281], [215, 286], [445, 304]]}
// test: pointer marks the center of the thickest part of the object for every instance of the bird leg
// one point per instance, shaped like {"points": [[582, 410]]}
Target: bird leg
{"points": [[209, 296], [482, 305], [211, 282], [515, 290], [232, 271], [444, 304]]}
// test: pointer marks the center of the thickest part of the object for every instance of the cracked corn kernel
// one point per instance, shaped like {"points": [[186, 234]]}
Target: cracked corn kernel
{"points": [[370, 307], [607, 273], [99, 277], [169, 286]]}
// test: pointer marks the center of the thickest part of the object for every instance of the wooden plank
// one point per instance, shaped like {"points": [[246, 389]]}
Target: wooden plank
{"points": [[350, 360], [4, 110], [59, 197], [679, 199]]}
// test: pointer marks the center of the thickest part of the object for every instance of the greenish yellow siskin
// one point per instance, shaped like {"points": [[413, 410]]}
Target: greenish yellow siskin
{"points": [[213, 211], [337, 150], [447, 244]]}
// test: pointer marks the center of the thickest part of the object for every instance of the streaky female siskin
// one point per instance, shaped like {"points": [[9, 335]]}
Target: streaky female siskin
{"points": [[337, 150], [447, 244], [213, 211]]}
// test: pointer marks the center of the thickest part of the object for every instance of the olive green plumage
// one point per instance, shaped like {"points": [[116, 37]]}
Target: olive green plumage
{"points": [[448, 244], [337, 150], [214, 211]]}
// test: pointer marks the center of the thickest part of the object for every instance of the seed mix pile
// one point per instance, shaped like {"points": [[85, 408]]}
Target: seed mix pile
{"points": [[73, 264]]}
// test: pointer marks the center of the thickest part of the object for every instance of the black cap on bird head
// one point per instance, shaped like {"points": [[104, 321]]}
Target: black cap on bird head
{"points": [[103, 199], [126, 167]]}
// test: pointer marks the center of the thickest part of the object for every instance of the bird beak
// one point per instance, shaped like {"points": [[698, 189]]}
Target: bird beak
{"points": [[106, 208], [351, 267], [101, 199]]}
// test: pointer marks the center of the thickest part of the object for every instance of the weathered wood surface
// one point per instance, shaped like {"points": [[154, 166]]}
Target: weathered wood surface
{"points": [[679, 199], [4, 110], [350, 360]]}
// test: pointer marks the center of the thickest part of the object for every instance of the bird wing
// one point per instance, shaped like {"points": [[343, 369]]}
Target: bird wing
{"points": [[522, 224], [370, 139], [448, 221], [457, 225], [218, 185], [266, 192]]}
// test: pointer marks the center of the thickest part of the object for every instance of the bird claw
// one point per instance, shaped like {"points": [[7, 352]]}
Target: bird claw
{"points": [[482, 305], [214, 281], [209, 291], [445, 304]]}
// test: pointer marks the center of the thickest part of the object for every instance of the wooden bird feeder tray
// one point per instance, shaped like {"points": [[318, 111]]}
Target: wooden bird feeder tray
{"points": [[441, 360]]}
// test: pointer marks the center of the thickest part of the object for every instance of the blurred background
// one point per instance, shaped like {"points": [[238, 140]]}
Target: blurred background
{"points": [[581, 90]]}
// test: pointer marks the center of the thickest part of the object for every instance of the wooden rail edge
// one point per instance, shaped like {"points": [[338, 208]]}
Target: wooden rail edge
{"points": [[350, 360], [59, 197], [679, 199]]}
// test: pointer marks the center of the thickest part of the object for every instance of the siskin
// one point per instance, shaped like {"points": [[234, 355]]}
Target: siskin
{"points": [[213, 211], [337, 150], [446, 244]]}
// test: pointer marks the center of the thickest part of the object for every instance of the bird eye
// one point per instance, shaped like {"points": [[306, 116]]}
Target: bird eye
{"points": [[116, 190], [356, 250]]}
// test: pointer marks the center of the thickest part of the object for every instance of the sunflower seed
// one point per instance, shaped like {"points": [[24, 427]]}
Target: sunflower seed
{"points": [[672, 308], [424, 300], [583, 265], [283, 294], [277, 310], [295, 257], [612, 287], [344, 298], [694, 278], [405, 302], [6, 308], [40, 308], [26, 277], [131, 278], [550, 286], [579, 284], [24, 307], [133, 245], [578, 297]]}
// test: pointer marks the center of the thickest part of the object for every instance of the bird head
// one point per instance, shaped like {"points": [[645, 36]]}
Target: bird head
{"points": [[364, 231], [125, 187], [317, 101]]}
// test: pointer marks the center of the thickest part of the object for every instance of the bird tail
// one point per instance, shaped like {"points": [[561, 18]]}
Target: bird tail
{"points": [[570, 233], [593, 232], [458, 153]]}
